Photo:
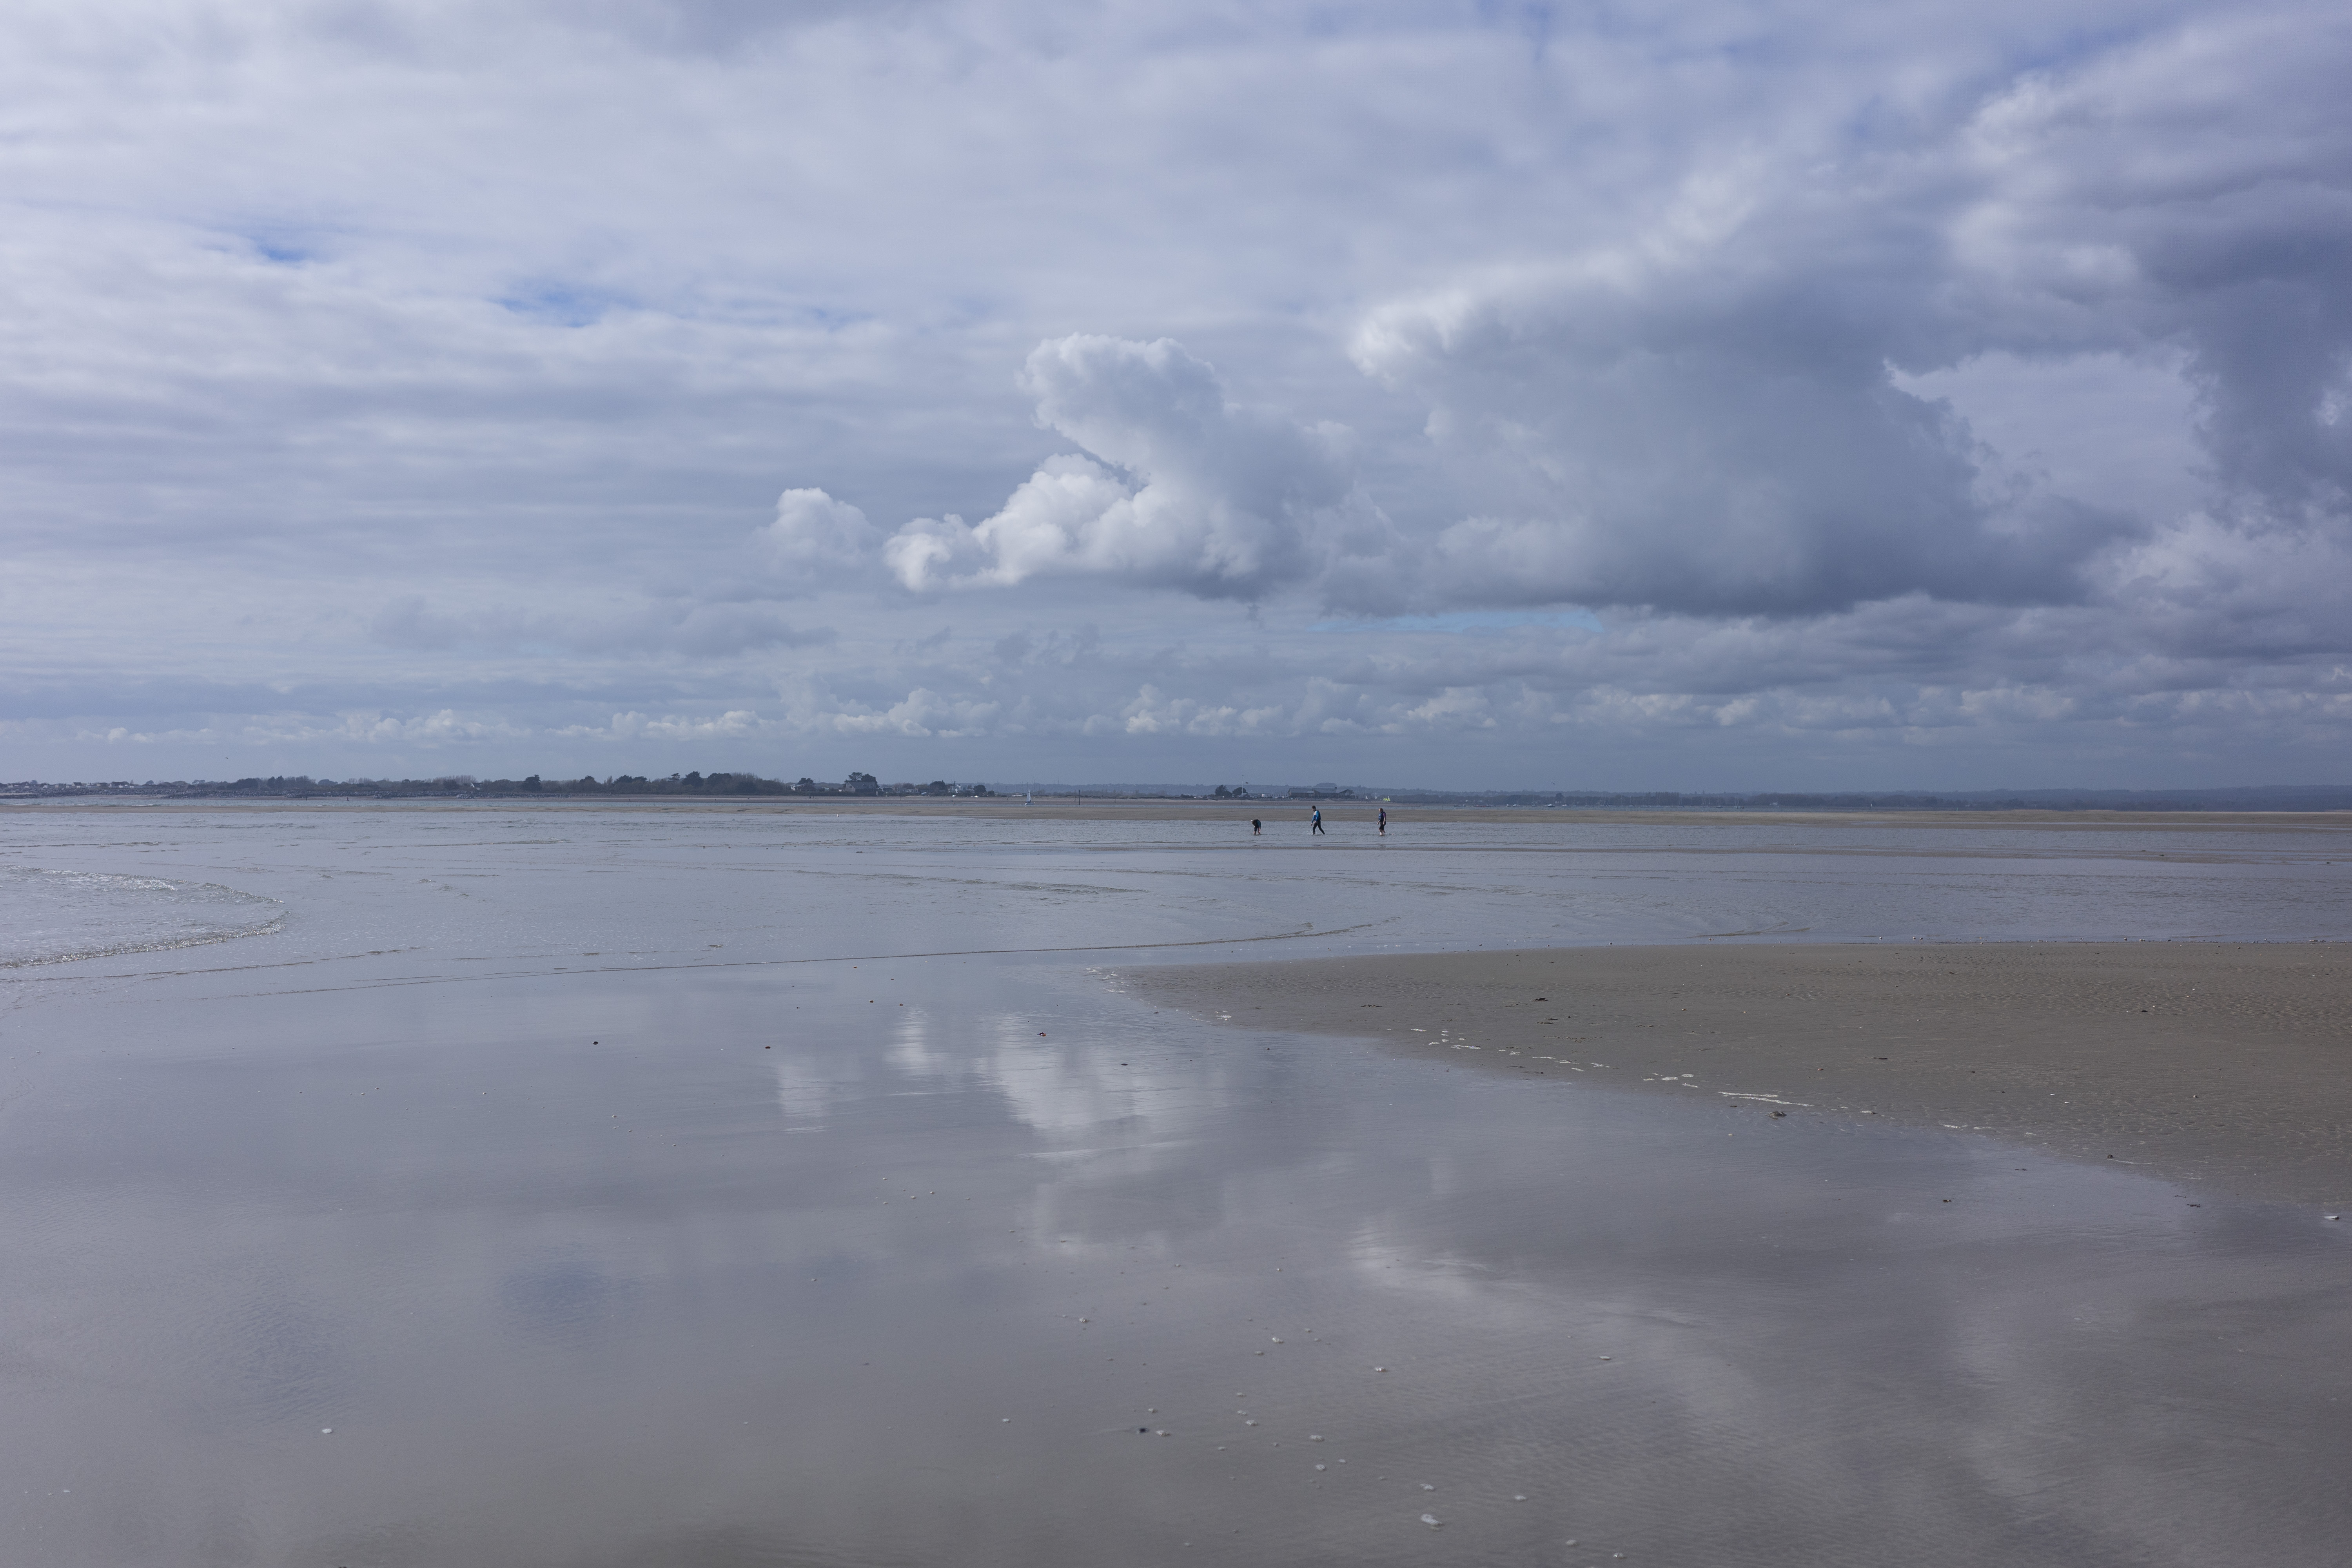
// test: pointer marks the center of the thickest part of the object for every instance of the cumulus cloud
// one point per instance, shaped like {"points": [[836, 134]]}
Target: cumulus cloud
{"points": [[1192, 492], [814, 537], [923, 714], [2197, 187], [1720, 436], [734, 724], [1722, 410], [1709, 414]]}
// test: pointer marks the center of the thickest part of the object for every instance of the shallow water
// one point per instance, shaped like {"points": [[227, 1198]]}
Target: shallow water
{"points": [[612, 1206], [56, 917]]}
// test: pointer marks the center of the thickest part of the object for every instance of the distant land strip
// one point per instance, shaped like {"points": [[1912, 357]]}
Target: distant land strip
{"points": [[867, 786]]}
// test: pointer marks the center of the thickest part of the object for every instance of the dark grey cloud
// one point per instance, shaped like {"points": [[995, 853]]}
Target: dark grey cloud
{"points": [[1707, 416], [2197, 187], [1668, 445]]}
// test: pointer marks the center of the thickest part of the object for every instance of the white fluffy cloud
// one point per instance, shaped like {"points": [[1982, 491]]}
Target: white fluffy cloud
{"points": [[813, 531], [1200, 495]]}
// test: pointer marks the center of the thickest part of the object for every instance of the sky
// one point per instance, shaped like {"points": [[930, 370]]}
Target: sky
{"points": [[1686, 394]]}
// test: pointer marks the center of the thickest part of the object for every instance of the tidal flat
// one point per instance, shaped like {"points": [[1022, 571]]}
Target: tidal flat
{"points": [[593, 1187], [2219, 1063]]}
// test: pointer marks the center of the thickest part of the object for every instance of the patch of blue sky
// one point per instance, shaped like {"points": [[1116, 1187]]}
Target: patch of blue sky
{"points": [[833, 318], [1470, 622], [279, 246], [562, 303]]}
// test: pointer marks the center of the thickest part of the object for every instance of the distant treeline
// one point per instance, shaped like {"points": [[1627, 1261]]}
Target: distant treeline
{"points": [[457, 786], [2277, 797]]}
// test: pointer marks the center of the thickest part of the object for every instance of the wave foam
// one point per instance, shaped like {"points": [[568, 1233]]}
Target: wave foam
{"points": [[58, 917]]}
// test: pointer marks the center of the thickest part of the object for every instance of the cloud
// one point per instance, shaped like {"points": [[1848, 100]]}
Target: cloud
{"points": [[1712, 413], [2195, 186], [1155, 712], [924, 714], [1731, 390], [814, 537], [360, 727], [1194, 492], [733, 725], [708, 26], [698, 630], [1719, 438]]}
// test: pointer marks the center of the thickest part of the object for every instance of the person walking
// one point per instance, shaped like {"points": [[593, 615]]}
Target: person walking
{"points": [[1317, 819], [1384, 822]]}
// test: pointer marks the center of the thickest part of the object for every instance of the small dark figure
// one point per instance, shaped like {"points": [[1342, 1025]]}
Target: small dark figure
{"points": [[1317, 819], [1384, 822], [1256, 825]]}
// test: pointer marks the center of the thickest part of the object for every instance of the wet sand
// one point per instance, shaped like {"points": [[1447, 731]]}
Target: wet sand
{"points": [[2227, 1064], [574, 1186]]}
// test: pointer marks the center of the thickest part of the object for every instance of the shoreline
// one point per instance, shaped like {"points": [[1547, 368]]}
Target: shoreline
{"points": [[2223, 1064], [1355, 814]]}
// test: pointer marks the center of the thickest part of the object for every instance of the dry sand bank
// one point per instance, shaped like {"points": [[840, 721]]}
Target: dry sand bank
{"points": [[2223, 1063], [1349, 820]]}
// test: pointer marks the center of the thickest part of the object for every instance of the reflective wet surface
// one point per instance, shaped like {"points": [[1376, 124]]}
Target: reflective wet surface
{"points": [[606, 1193], [56, 917]]}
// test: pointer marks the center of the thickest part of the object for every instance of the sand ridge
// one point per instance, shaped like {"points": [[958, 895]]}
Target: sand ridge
{"points": [[2224, 1063]]}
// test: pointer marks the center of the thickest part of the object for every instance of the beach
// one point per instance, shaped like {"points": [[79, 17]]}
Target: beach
{"points": [[488, 1182], [2208, 1062]]}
